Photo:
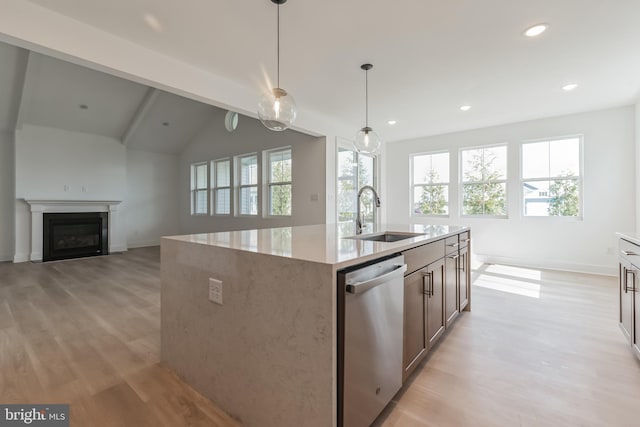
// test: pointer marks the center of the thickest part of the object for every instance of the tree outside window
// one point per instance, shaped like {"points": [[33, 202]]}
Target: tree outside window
{"points": [[484, 174], [354, 171], [430, 184]]}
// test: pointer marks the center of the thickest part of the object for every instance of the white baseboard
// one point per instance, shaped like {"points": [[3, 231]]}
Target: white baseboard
{"points": [[603, 270], [21, 258], [6, 257], [144, 244], [117, 248]]}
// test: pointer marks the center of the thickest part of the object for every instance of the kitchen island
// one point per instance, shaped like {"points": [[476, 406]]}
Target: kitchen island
{"points": [[268, 354]]}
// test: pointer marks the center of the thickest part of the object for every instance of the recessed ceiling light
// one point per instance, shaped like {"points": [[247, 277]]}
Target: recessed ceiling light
{"points": [[569, 87], [465, 107], [153, 22], [83, 106], [392, 122], [536, 30]]}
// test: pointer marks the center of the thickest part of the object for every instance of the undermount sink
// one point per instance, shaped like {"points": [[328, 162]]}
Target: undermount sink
{"points": [[387, 236]]}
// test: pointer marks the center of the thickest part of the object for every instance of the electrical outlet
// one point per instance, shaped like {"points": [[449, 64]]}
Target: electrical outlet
{"points": [[215, 291]]}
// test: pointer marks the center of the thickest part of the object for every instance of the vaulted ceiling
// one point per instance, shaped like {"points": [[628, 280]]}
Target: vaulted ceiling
{"points": [[430, 56], [43, 91]]}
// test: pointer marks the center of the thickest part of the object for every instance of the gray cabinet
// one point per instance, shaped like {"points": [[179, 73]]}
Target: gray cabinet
{"points": [[436, 288], [628, 293]]}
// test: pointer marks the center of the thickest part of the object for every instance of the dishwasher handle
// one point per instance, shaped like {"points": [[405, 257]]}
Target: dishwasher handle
{"points": [[359, 287]]}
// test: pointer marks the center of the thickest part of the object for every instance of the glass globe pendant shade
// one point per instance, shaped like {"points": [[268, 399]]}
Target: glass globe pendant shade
{"points": [[277, 110], [367, 141]]}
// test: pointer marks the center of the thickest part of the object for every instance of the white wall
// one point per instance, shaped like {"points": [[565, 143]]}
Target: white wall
{"points": [[309, 173], [637, 110], [47, 159], [7, 186], [151, 207], [582, 245]]}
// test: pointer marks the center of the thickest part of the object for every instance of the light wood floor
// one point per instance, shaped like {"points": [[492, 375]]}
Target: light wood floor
{"points": [[539, 348]]}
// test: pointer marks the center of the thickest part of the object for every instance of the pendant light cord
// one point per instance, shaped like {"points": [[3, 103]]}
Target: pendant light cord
{"points": [[278, 55], [366, 98]]}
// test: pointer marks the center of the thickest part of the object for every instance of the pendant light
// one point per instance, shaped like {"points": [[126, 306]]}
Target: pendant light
{"points": [[277, 110], [367, 141]]}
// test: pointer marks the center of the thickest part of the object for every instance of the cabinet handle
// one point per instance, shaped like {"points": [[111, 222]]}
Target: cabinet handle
{"points": [[431, 282], [454, 245], [467, 240], [453, 256], [626, 277], [426, 289], [629, 253]]}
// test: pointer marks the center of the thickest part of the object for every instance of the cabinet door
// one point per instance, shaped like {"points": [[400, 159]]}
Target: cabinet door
{"points": [[415, 343], [435, 301], [451, 307], [626, 280], [463, 278], [632, 289]]}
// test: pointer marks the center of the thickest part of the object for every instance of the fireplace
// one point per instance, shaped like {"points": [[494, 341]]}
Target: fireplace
{"points": [[75, 235]]}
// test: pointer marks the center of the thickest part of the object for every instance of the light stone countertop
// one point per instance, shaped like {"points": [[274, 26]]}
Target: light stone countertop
{"points": [[631, 236], [322, 243]]}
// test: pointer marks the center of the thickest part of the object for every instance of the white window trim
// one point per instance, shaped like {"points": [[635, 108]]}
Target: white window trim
{"points": [[413, 185], [194, 189], [462, 182], [215, 187], [268, 184], [239, 186], [579, 178]]}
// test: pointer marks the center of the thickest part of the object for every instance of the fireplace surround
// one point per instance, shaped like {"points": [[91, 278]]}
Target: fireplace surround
{"points": [[39, 207]]}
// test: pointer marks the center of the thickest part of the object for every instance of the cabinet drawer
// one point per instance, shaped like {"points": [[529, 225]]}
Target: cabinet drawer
{"points": [[451, 244], [416, 258], [464, 239], [630, 252]]}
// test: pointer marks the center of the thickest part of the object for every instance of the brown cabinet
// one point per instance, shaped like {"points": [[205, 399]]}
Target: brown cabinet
{"points": [[436, 288], [628, 297]]}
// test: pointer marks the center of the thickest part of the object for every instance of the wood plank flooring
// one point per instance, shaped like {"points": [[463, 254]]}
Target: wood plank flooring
{"points": [[540, 348], [87, 332]]}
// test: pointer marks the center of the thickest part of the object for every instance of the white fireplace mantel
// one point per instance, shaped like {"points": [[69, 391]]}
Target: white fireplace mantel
{"points": [[39, 207]]}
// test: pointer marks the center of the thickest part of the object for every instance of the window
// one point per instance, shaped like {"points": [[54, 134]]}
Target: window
{"points": [[484, 187], [279, 182], [248, 184], [354, 171], [199, 188], [221, 187], [551, 177], [430, 184]]}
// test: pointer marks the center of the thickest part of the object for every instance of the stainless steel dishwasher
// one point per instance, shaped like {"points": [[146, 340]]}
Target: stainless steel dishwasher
{"points": [[370, 316]]}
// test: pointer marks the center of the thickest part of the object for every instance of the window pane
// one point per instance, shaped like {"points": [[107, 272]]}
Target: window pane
{"points": [[280, 197], [347, 183], [248, 201], [223, 201], [495, 163], [365, 173], [564, 157], [551, 198], [430, 168], [249, 170], [223, 173], [201, 176], [535, 160], [484, 199], [472, 165], [200, 202], [280, 166], [431, 199]]}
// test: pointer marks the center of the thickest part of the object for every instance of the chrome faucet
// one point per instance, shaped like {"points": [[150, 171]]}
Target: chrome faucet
{"points": [[358, 214]]}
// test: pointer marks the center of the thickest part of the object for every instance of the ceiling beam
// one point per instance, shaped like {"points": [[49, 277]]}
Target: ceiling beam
{"points": [[29, 63], [144, 107]]}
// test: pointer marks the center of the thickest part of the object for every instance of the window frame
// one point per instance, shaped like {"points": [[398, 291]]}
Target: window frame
{"points": [[239, 186], [268, 184], [194, 189], [504, 181], [579, 179], [215, 187], [413, 185]]}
